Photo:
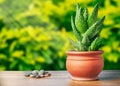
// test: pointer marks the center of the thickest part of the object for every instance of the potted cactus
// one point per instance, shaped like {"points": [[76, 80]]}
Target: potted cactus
{"points": [[85, 62]]}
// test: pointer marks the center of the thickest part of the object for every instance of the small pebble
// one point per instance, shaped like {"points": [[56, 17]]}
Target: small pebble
{"points": [[41, 72], [32, 76], [27, 74], [35, 72], [47, 74]]}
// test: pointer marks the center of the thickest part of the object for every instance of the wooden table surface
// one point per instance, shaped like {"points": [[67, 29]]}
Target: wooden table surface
{"points": [[58, 78]]}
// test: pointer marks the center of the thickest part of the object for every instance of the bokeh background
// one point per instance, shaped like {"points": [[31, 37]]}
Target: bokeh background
{"points": [[34, 33]]}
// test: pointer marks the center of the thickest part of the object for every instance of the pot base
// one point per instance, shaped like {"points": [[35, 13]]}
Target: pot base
{"points": [[84, 79]]}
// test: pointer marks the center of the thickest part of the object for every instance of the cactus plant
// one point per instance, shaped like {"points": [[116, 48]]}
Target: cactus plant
{"points": [[86, 29]]}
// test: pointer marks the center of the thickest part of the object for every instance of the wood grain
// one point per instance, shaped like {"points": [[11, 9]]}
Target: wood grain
{"points": [[58, 78]]}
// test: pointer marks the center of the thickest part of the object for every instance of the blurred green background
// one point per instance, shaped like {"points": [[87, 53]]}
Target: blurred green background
{"points": [[34, 33]]}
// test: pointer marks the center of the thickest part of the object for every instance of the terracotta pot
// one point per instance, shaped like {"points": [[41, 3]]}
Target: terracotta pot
{"points": [[84, 65]]}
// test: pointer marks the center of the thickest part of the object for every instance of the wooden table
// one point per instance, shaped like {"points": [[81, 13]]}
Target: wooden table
{"points": [[58, 78]]}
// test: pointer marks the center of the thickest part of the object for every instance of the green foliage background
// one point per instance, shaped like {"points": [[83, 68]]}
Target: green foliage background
{"points": [[33, 33]]}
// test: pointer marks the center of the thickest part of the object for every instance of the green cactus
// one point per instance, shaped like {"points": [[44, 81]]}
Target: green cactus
{"points": [[86, 29], [79, 20]]}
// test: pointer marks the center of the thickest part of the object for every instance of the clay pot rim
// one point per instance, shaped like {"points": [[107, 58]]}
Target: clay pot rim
{"points": [[84, 55], [84, 52]]}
